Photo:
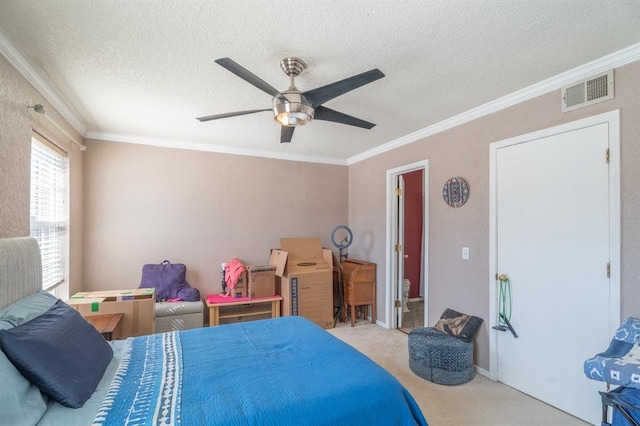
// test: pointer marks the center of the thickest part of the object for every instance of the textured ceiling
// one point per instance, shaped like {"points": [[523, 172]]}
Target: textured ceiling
{"points": [[143, 70]]}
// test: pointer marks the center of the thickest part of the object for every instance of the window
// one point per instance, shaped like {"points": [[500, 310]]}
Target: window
{"points": [[48, 208]]}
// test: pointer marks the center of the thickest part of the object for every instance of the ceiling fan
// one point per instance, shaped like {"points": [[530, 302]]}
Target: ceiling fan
{"points": [[292, 107]]}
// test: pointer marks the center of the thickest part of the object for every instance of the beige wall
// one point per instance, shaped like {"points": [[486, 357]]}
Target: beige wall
{"points": [[464, 151], [145, 204], [16, 126]]}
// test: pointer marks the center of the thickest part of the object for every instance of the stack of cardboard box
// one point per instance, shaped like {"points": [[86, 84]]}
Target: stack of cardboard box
{"points": [[242, 287], [305, 272], [262, 280]]}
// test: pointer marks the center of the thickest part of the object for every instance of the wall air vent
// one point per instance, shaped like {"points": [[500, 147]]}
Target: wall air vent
{"points": [[588, 92]]}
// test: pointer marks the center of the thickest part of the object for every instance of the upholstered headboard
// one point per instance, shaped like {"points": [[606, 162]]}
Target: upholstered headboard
{"points": [[20, 269]]}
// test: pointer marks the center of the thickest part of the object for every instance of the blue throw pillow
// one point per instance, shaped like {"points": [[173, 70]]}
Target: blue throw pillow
{"points": [[22, 401], [26, 309], [59, 352]]}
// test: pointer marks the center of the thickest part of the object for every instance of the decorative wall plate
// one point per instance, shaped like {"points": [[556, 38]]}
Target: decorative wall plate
{"points": [[455, 192]]}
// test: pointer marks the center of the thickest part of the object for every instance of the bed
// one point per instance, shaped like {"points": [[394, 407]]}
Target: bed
{"points": [[278, 371]]}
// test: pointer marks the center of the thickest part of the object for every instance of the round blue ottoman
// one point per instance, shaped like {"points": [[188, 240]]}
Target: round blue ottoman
{"points": [[439, 357]]}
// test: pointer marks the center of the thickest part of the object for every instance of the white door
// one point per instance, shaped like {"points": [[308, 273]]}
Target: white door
{"points": [[394, 259], [400, 248], [553, 241]]}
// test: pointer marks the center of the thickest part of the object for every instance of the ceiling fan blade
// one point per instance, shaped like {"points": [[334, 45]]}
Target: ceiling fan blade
{"points": [[323, 94], [327, 114], [286, 133], [247, 76], [230, 114]]}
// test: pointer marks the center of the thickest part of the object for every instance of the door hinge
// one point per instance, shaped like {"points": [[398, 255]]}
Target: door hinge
{"points": [[609, 270], [398, 248], [398, 304], [607, 155], [398, 192]]}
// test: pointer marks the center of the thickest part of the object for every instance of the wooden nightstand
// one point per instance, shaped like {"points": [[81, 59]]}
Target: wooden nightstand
{"points": [[359, 294], [108, 325], [359, 281]]}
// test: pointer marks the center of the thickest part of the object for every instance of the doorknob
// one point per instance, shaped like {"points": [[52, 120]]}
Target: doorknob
{"points": [[406, 256]]}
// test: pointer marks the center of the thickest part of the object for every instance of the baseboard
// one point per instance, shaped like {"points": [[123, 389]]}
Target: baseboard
{"points": [[482, 372]]}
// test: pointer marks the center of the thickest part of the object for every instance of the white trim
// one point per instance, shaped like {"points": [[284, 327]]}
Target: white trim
{"points": [[18, 60], [201, 146], [612, 119], [616, 59], [391, 220], [482, 372], [493, 241], [615, 219]]}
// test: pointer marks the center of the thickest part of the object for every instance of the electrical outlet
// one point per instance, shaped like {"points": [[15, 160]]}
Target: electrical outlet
{"points": [[465, 253]]}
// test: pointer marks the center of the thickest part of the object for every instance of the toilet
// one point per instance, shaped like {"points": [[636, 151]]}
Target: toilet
{"points": [[406, 285]]}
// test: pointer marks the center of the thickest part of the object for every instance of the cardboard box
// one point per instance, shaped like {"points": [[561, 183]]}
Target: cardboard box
{"points": [[306, 279], [138, 307], [262, 280], [242, 287]]}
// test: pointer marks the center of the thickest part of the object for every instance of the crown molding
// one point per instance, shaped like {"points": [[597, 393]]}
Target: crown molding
{"points": [[18, 60], [201, 146], [616, 59]]}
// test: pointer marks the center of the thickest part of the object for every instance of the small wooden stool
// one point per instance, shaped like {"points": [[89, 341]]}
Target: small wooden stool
{"points": [[356, 294]]}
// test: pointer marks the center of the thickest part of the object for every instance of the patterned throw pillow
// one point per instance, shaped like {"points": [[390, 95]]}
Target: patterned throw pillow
{"points": [[629, 331], [458, 325]]}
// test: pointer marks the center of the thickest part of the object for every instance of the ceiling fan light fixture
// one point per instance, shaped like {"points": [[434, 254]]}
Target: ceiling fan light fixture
{"points": [[288, 118], [296, 113]]}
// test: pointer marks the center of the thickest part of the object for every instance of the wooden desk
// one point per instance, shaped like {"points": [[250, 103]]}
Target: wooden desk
{"points": [[243, 309], [108, 325]]}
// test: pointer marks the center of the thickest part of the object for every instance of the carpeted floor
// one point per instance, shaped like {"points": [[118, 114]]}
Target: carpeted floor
{"points": [[478, 402]]}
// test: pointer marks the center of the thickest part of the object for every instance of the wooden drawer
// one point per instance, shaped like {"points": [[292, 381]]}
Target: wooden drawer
{"points": [[359, 293], [228, 319], [358, 270], [246, 309]]}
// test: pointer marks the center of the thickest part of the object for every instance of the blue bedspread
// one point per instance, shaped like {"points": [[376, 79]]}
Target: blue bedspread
{"points": [[282, 371]]}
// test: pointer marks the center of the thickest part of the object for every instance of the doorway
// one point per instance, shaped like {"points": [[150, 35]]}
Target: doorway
{"points": [[407, 231], [412, 294], [555, 234]]}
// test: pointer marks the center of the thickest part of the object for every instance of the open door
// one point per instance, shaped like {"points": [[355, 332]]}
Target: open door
{"points": [[395, 243], [399, 249], [412, 294]]}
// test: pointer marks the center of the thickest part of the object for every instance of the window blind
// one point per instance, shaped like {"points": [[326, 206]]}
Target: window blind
{"points": [[48, 208]]}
